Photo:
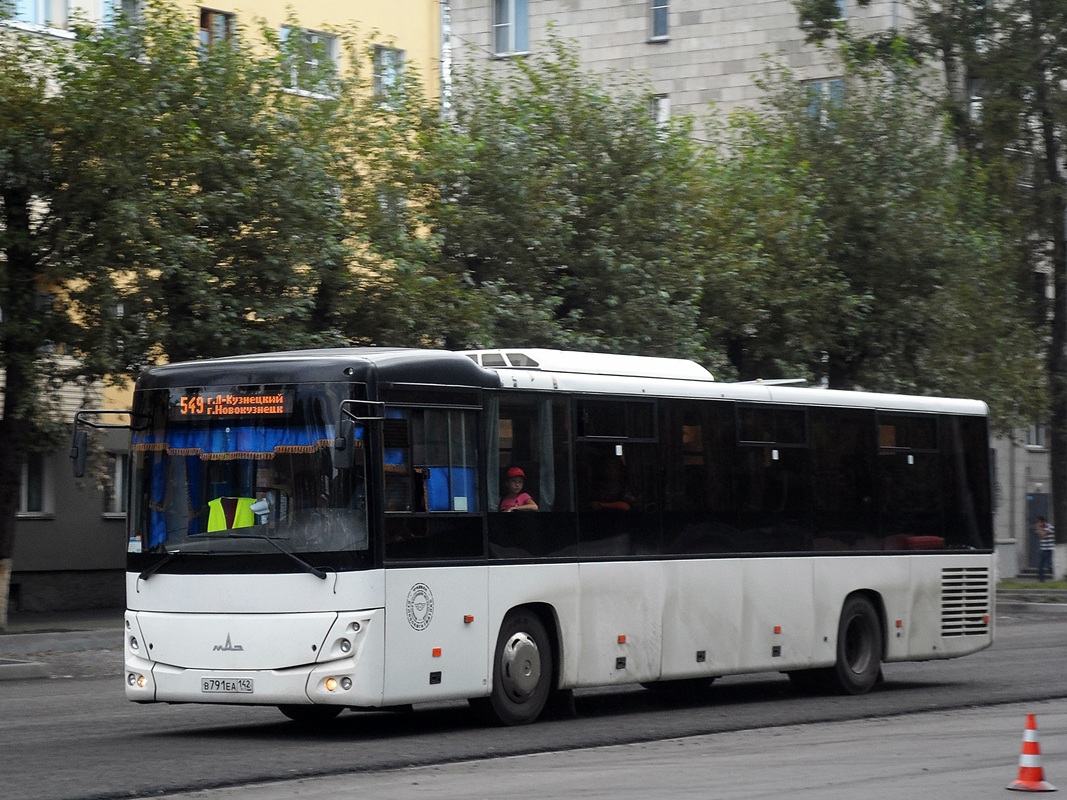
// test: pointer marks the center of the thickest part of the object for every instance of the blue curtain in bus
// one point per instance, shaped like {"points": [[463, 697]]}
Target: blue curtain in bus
{"points": [[237, 440], [157, 502], [175, 484]]}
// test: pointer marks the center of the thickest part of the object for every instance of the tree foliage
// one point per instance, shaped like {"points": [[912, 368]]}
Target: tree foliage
{"points": [[159, 200], [771, 298], [569, 210], [853, 245]]}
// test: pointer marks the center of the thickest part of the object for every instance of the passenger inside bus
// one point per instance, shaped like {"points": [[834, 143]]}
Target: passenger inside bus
{"points": [[609, 489], [514, 497]]}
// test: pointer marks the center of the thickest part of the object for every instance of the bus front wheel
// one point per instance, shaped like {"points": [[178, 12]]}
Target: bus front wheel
{"points": [[522, 671], [859, 647]]}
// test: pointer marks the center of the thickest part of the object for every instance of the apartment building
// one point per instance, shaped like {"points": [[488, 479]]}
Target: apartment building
{"points": [[692, 53]]}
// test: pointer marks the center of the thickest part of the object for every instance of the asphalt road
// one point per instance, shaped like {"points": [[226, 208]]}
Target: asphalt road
{"points": [[77, 737]]}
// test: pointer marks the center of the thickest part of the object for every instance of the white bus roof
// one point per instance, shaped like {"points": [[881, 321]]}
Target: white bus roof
{"points": [[605, 373], [590, 363]]}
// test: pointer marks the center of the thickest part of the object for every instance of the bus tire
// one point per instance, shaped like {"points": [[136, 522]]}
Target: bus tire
{"points": [[522, 671], [859, 647], [311, 715]]}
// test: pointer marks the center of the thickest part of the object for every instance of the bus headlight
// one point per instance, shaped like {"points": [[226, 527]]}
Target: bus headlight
{"points": [[137, 680], [331, 684], [134, 644], [345, 645]]}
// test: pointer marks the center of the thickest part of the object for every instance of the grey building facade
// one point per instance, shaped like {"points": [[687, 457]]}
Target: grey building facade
{"points": [[692, 54]]}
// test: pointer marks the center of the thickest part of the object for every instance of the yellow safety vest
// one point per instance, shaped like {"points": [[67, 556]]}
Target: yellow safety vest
{"points": [[239, 507]]}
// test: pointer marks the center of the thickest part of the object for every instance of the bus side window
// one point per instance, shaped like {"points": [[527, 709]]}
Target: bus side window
{"points": [[398, 476]]}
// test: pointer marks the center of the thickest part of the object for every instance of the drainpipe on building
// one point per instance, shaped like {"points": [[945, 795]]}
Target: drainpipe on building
{"points": [[446, 59]]}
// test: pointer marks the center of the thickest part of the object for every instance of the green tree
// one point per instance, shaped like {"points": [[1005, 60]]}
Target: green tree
{"points": [[1010, 57], [396, 293], [772, 299], [930, 294], [158, 200], [28, 321], [568, 209], [230, 226]]}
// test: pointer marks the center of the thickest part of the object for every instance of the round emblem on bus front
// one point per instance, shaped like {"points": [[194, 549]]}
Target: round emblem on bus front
{"points": [[420, 606]]}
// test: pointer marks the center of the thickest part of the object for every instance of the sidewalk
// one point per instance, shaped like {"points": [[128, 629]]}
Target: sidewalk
{"points": [[32, 634]]}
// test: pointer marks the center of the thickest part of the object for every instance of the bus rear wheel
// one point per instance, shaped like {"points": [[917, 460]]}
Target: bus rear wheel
{"points": [[859, 647], [522, 671]]}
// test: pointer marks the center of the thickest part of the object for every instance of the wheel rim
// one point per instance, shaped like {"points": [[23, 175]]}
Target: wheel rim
{"points": [[859, 645], [520, 667]]}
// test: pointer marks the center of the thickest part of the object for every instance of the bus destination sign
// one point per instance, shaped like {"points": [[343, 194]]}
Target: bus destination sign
{"points": [[198, 403]]}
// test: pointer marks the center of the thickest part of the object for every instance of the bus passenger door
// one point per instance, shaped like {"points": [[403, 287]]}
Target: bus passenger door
{"points": [[436, 630]]}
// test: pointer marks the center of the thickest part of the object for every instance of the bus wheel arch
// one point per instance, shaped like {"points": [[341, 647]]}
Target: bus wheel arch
{"points": [[524, 668], [861, 642]]}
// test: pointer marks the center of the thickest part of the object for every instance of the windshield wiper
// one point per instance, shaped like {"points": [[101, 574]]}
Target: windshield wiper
{"points": [[152, 569], [318, 573]]}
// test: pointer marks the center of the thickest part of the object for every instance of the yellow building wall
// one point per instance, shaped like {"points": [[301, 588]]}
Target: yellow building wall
{"points": [[413, 26]]}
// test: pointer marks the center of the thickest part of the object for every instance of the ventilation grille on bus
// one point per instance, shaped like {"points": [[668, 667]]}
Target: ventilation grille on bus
{"points": [[965, 601]]}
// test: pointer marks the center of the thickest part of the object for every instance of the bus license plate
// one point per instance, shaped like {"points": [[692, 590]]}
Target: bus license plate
{"points": [[226, 685]]}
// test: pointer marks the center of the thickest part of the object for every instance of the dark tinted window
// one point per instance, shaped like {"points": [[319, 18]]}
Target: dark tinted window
{"points": [[771, 424], [907, 432], [843, 479], [612, 419]]}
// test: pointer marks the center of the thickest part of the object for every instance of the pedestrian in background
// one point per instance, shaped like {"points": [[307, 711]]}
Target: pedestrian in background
{"points": [[1046, 537]]}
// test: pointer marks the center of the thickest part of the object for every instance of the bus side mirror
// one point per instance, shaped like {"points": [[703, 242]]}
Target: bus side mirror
{"points": [[79, 451], [344, 446]]}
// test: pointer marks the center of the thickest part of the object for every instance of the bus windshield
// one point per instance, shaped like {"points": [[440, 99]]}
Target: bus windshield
{"points": [[244, 469]]}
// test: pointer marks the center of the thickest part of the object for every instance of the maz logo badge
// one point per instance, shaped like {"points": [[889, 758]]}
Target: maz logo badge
{"points": [[229, 646], [420, 606]]}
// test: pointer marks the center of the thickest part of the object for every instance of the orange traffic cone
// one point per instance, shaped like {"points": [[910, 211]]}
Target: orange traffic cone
{"points": [[1031, 775]]}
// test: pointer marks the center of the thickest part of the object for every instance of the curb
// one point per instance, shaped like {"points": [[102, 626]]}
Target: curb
{"points": [[18, 650], [14, 670], [21, 644], [1029, 607]]}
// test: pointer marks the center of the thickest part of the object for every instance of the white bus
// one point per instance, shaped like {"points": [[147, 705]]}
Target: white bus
{"points": [[320, 530]]}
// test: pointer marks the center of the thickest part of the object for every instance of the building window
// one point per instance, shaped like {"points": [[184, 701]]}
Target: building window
{"points": [[511, 27], [661, 110], [114, 487], [842, 10], [115, 10], [658, 20], [216, 26], [35, 487], [1037, 436], [46, 13], [825, 94], [310, 60], [388, 64]]}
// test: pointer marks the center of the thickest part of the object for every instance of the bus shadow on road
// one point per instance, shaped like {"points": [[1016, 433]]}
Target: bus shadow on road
{"points": [[757, 693]]}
